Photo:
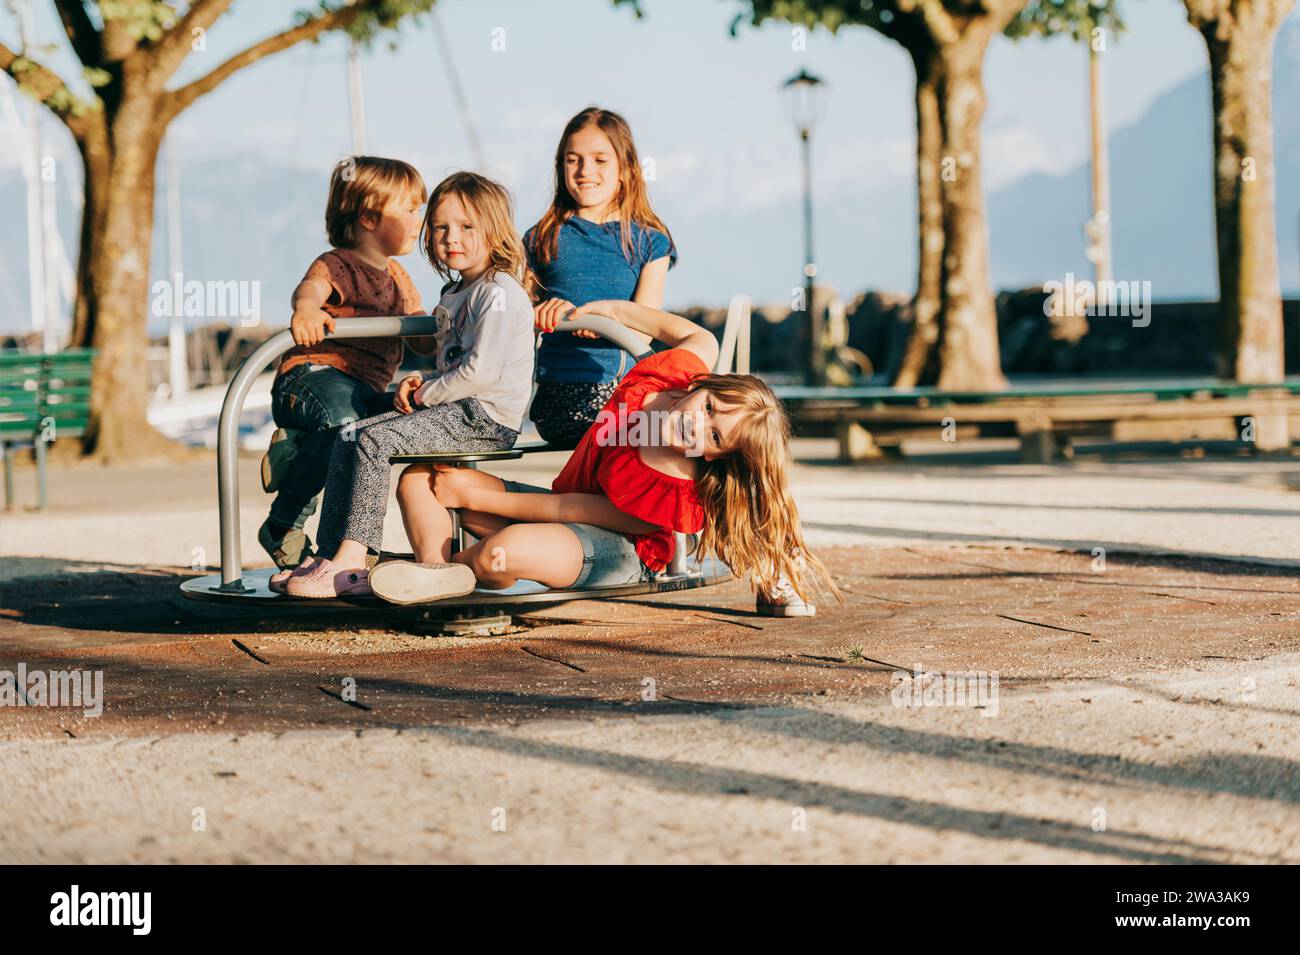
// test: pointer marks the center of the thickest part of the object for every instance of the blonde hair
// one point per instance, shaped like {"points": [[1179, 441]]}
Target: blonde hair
{"points": [[752, 523], [365, 184], [631, 200], [491, 211]]}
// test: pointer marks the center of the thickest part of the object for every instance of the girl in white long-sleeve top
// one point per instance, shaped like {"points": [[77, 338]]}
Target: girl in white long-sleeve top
{"points": [[475, 401]]}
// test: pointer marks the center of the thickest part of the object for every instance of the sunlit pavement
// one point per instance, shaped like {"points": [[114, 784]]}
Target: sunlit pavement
{"points": [[1120, 701]]}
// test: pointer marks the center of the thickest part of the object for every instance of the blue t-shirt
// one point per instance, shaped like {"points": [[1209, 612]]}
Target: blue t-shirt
{"points": [[590, 266]]}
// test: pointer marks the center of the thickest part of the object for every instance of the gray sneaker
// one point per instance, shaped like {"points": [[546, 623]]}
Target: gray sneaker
{"points": [[783, 602]]}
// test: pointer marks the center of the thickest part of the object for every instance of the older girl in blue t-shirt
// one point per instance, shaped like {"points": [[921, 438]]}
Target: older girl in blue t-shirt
{"points": [[599, 240]]}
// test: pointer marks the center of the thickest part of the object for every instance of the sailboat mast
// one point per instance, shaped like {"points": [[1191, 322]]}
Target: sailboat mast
{"points": [[356, 100], [178, 366], [36, 196]]}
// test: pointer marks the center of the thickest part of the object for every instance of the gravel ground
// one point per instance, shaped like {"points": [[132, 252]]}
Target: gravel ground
{"points": [[1156, 768], [1142, 617]]}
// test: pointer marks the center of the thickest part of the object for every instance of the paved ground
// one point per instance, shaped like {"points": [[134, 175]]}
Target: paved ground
{"points": [[1145, 710], [1221, 507]]}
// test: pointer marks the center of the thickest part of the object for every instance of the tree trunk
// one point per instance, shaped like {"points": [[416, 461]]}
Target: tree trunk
{"points": [[96, 165], [119, 135], [968, 340], [114, 316], [925, 306], [1241, 68]]}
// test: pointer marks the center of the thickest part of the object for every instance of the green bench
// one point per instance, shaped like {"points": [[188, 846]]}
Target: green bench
{"points": [[42, 398]]}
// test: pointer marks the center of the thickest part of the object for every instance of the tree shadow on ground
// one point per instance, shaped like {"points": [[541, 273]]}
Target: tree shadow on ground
{"points": [[147, 600], [700, 779], [1015, 505], [1112, 548], [291, 697]]}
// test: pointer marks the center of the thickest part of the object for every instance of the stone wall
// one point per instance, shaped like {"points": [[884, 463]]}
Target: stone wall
{"points": [[1179, 338]]}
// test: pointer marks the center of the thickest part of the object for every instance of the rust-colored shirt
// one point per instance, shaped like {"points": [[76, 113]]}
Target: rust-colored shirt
{"points": [[358, 289]]}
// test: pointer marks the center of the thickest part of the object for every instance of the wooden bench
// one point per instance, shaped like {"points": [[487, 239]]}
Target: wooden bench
{"points": [[872, 421], [42, 398]]}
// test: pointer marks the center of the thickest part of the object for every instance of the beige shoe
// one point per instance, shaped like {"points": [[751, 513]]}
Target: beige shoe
{"points": [[784, 602], [288, 551], [406, 582]]}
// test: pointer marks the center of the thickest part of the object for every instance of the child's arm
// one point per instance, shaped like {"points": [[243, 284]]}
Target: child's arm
{"points": [[310, 321], [673, 330], [422, 344], [594, 509], [650, 286], [549, 312]]}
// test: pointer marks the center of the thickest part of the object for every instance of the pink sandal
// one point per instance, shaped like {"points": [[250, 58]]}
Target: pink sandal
{"points": [[326, 580], [279, 581]]}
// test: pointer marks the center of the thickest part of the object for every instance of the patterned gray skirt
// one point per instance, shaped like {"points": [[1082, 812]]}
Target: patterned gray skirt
{"points": [[563, 411]]}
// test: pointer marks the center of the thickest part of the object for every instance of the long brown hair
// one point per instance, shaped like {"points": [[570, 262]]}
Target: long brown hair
{"points": [[631, 200], [489, 206], [752, 523]]}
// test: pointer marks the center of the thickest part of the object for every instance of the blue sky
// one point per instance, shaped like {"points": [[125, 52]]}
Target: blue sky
{"points": [[684, 84], [703, 105]]}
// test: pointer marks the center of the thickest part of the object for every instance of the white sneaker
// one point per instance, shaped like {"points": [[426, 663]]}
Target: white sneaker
{"points": [[783, 602], [406, 582]]}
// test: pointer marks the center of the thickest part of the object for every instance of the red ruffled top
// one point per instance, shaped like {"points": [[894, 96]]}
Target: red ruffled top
{"points": [[618, 472]]}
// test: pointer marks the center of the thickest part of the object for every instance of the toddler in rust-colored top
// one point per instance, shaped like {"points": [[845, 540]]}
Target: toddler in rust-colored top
{"points": [[374, 212]]}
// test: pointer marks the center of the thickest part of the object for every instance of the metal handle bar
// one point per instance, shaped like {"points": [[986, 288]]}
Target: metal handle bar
{"points": [[371, 327]]}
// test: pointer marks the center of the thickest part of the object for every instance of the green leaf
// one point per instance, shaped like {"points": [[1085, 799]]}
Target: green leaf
{"points": [[143, 19], [97, 77], [1075, 18]]}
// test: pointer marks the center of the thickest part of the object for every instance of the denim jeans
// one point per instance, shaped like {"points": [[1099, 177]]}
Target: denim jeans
{"points": [[608, 557], [317, 400]]}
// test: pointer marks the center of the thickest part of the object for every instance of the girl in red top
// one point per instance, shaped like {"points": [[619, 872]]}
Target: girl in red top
{"points": [[675, 449]]}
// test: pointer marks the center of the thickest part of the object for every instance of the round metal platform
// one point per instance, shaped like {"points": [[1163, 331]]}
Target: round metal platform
{"points": [[255, 592]]}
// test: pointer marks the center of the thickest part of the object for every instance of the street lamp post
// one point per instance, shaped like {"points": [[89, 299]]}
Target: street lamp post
{"points": [[804, 95], [1097, 228]]}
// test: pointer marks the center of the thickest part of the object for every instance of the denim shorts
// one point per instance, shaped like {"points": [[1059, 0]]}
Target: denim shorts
{"points": [[608, 557]]}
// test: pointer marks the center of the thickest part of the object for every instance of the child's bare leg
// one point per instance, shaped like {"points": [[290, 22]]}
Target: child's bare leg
{"points": [[428, 523], [351, 555], [550, 554], [481, 523]]}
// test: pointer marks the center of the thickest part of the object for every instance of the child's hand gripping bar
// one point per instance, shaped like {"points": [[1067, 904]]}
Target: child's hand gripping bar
{"points": [[619, 334]]}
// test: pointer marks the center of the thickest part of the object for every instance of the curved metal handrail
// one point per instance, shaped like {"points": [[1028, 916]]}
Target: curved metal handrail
{"points": [[735, 337], [232, 407]]}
